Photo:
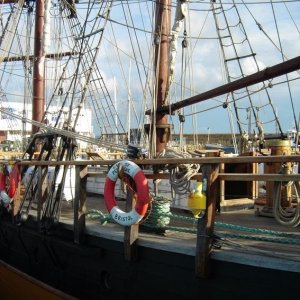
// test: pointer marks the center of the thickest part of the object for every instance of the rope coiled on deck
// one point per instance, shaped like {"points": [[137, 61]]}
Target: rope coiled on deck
{"points": [[159, 215]]}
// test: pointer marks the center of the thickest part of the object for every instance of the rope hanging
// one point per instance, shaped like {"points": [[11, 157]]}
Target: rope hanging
{"points": [[286, 215], [180, 175]]}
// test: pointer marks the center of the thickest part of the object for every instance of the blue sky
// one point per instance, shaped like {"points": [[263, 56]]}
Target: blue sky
{"points": [[129, 74], [207, 69]]}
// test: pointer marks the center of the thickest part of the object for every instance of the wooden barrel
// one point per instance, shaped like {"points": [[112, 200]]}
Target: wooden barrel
{"points": [[278, 147]]}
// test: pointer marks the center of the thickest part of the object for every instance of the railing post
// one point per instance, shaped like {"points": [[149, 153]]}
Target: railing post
{"points": [[39, 197], [222, 182], [17, 198], [130, 232], [205, 227], [79, 202]]}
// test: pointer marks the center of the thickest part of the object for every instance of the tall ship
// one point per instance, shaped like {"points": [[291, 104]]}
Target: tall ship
{"points": [[101, 196]]}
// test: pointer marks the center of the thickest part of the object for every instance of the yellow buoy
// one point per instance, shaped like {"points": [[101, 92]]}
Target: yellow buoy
{"points": [[197, 200]]}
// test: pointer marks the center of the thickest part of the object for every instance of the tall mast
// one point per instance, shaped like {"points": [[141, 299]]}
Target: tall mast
{"points": [[38, 101], [161, 67]]}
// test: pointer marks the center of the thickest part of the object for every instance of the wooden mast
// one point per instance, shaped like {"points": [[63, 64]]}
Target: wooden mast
{"points": [[38, 101], [283, 68], [161, 67]]}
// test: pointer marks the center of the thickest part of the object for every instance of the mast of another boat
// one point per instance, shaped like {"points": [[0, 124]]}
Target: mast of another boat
{"points": [[38, 99], [161, 68], [116, 111], [129, 103]]}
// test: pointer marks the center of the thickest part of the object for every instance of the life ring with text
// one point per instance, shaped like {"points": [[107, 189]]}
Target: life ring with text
{"points": [[7, 195], [142, 190]]}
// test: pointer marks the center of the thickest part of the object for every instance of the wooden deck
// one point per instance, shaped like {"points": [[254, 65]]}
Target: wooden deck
{"points": [[231, 245], [212, 236]]}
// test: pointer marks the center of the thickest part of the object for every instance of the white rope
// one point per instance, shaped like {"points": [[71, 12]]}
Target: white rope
{"points": [[286, 215], [180, 175]]}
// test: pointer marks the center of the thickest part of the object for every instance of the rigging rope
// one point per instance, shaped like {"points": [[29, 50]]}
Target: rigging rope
{"points": [[229, 28], [286, 215], [286, 75], [92, 81], [67, 133], [255, 234], [180, 175]]}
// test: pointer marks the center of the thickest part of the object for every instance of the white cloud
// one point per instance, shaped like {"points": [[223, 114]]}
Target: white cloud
{"points": [[206, 70]]}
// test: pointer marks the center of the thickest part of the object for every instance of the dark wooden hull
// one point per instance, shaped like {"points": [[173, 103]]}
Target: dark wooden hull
{"points": [[97, 269]]}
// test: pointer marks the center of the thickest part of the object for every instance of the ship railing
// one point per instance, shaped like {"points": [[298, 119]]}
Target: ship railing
{"points": [[212, 174]]}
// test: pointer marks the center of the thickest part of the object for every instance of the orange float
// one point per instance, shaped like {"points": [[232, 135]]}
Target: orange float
{"points": [[142, 190]]}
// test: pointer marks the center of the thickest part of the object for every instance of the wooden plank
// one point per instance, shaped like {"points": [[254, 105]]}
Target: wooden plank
{"points": [[205, 226], [96, 174], [259, 177], [130, 232], [172, 161], [39, 197], [7, 1], [222, 182], [17, 198], [223, 176], [15, 284], [130, 238], [79, 203]]}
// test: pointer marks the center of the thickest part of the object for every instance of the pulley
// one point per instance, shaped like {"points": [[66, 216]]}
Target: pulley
{"points": [[181, 118]]}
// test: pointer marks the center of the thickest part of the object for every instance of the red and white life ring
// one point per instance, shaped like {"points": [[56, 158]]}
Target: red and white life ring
{"points": [[142, 189], [7, 195]]}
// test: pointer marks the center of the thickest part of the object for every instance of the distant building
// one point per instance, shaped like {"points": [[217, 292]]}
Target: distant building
{"points": [[14, 129]]}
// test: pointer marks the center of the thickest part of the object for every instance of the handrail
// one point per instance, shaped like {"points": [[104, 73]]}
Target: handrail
{"points": [[168, 161]]}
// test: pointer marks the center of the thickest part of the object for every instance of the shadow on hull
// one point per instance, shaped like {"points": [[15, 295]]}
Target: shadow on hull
{"points": [[97, 269]]}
